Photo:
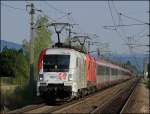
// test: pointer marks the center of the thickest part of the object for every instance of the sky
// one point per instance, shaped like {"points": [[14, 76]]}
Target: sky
{"points": [[91, 17]]}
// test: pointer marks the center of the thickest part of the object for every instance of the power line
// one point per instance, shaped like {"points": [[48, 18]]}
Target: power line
{"points": [[116, 29], [127, 16], [129, 46], [139, 33], [12, 7], [58, 10], [53, 20], [66, 15], [50, 6], [128, 25], [132, 18], [112, 15], [121, 24]]}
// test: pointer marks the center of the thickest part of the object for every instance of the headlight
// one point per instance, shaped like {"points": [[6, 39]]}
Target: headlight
{"points": [[41, 77], [70, 77]]}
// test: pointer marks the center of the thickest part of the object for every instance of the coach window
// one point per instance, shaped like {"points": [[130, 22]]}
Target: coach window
{"points": [[107, 70], [116, 71], [119, 72], [98, 70], [112, 71], [101, 70]]}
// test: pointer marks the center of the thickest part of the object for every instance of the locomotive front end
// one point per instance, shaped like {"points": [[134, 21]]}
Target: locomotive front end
{"points": [[55, 77]]}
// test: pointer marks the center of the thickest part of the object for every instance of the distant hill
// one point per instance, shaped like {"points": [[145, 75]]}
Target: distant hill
{"points": [[9, 44]]}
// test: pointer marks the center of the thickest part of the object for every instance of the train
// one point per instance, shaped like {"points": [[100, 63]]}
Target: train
{"points": [[67, 74]]}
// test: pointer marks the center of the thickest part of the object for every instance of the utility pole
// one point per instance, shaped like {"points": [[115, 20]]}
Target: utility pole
{"points": [[0, 44], [69, 35], [148, 67], [31, 75]]}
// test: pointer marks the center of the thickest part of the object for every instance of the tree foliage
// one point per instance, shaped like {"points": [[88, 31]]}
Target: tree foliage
{"points": [[42, 39], [13, 64], [75, 45]]}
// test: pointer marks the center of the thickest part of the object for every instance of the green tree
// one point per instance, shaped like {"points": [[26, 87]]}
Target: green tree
{"points": [[42, 39], [75, 45], [14, 65]]}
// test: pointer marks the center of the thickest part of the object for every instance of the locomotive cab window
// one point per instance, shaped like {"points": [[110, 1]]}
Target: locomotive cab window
{"points": [[56, 63]]}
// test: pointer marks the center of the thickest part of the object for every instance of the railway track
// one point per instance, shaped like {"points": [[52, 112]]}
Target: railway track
{"points": [[135, 99], [100, 101], [119, 102], [128, 99], [93, 103]]}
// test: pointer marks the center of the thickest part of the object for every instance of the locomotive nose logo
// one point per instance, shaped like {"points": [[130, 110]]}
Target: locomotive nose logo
{"points": [[62, 75]]}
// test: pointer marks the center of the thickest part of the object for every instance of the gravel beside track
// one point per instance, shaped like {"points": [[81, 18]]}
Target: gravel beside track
{"points": [[138, 102]]}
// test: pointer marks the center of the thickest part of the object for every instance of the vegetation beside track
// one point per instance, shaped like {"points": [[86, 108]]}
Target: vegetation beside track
{"points": [[14, 69]]}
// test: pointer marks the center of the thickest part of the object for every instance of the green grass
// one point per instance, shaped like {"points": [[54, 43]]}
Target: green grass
{"points": [[17, 97]]}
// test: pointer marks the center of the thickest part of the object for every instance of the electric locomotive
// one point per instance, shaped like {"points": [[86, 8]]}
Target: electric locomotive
{"points": [[67, 73]]}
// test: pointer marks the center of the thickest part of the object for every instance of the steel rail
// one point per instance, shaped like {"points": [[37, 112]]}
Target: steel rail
{"points": [[129, 98]]}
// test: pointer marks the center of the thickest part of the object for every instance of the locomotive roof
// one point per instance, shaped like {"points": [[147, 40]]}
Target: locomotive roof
{"points": [[99, 61], [65, 50]]}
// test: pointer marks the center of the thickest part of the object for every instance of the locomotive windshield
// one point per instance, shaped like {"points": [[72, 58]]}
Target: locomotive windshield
{"points": [[56, 63]]}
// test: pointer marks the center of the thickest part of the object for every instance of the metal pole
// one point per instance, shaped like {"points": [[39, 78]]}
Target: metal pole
{"points": [[69, 36], [88, 46], [148, 67], [31, 79], [58, 38], [0, 35], [0, 44]]}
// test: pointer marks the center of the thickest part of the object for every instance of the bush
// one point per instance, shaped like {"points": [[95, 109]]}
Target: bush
{"points": [[14, 67]]}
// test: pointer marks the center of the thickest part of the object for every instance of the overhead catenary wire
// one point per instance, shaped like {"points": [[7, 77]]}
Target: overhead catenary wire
{"points": [[116, 29], [130, 48], [12, 7], [119, 13], [121, 23], [132, 18], [58, 20], [66, 14], [51, 6], [126, 25]]}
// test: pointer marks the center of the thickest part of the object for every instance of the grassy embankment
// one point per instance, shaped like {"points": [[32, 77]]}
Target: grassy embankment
{"points": [[15, 96]]}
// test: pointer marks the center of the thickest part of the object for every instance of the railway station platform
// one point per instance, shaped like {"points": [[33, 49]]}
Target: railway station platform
{"points": [[139, 102]]}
